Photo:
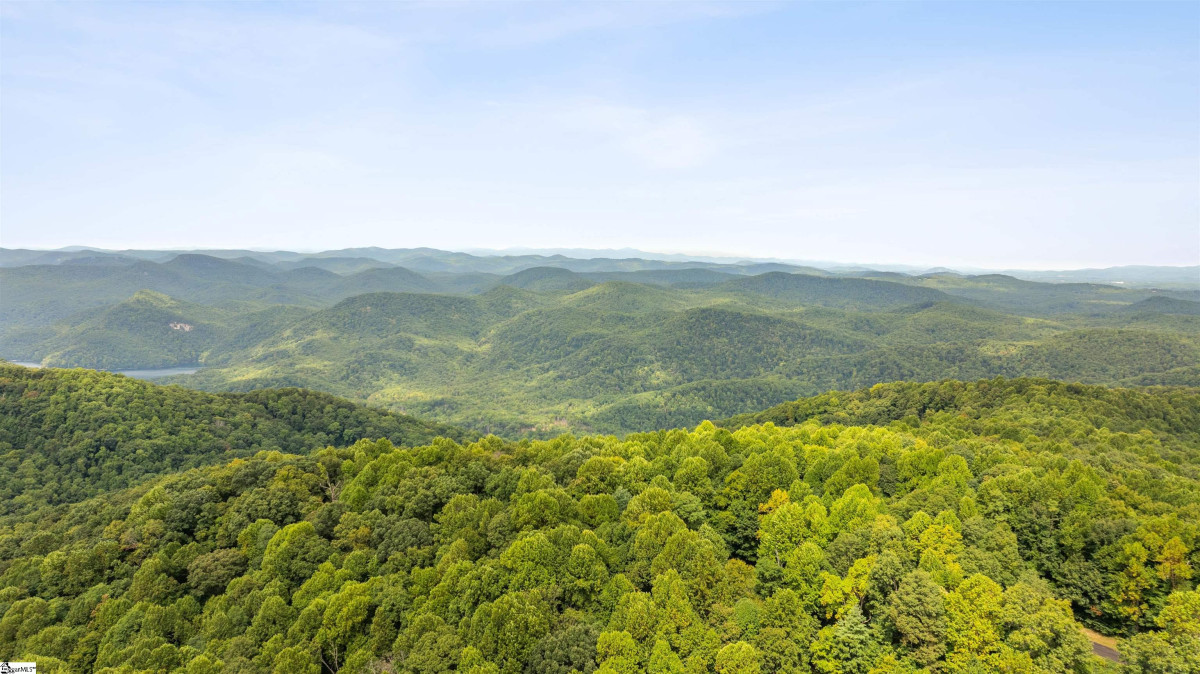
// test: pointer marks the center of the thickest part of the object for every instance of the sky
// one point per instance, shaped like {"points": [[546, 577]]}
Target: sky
{"points": [[1006, 135]]}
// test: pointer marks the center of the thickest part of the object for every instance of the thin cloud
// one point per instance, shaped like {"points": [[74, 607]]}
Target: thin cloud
{"points": [[860, 131]]}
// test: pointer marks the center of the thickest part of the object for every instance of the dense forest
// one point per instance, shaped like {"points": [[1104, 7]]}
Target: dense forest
{"points": [[538, 345], [942, 527], [69, 434]]}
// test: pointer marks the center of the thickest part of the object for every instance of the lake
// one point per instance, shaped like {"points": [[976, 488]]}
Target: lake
{"points": [[157, 373]]}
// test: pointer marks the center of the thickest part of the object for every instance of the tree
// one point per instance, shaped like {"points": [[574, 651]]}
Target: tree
{"points": [[802, 572], [440, 558], [1133, 582], [1175, 649], [665, 660], [1172, 563], [855, 508], [782, 528], [738, 658], [1153, 653], [506, 630], [529, 562], [636, 615], [209, 574], [854, 642], [294, 553], [471, 661], [972, 611], [152, 582], [838, 595], [674, 614], [586, 575], [1042, 628], [1180, 616], [784, 629], [295, 660], [847, 647], [565, 650], [917, 613], [617, 653], [698, 562], [343, 623]]}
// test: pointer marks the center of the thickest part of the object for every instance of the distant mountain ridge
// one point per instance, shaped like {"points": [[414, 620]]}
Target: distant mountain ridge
{"points": [[510, 261], [41, 294]]}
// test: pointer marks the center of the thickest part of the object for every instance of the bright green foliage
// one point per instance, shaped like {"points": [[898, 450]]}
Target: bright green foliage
{"points": [[1173, 565], [738, 658], [617, 653], [972, 612], [977, 540], [1175, 649], [665, 660]]}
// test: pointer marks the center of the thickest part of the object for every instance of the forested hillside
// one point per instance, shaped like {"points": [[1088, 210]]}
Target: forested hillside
{"points": [[948, 527], [66, 435], [147, 330], [619, 357], [1001, 407], [537, 345]]}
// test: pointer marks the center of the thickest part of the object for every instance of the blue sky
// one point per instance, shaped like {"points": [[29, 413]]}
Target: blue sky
{"points": [[975, 134]]}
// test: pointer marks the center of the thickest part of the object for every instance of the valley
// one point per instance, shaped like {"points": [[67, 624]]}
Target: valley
{"points": [[581, 345]]}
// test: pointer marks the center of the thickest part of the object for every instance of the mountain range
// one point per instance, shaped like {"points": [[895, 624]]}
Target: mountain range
{"points": [[534, 344]]}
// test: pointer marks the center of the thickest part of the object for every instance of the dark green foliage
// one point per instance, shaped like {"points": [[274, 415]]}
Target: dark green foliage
{"points": [[209, 574], [916, 614], [566, 650], [996, 407], [68, 434]]}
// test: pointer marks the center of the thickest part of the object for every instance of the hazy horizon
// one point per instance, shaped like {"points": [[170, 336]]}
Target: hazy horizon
{"points": [[972, 135], [592, 253]]}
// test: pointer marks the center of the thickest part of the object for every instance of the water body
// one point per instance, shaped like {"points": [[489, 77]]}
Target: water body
{"points": [[157, 373]]}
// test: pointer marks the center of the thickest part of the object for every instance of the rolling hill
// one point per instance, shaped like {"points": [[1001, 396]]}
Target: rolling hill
{"points": [[804, 290], [147, 330], [535, 344], [616, 357], [69, 434]]}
